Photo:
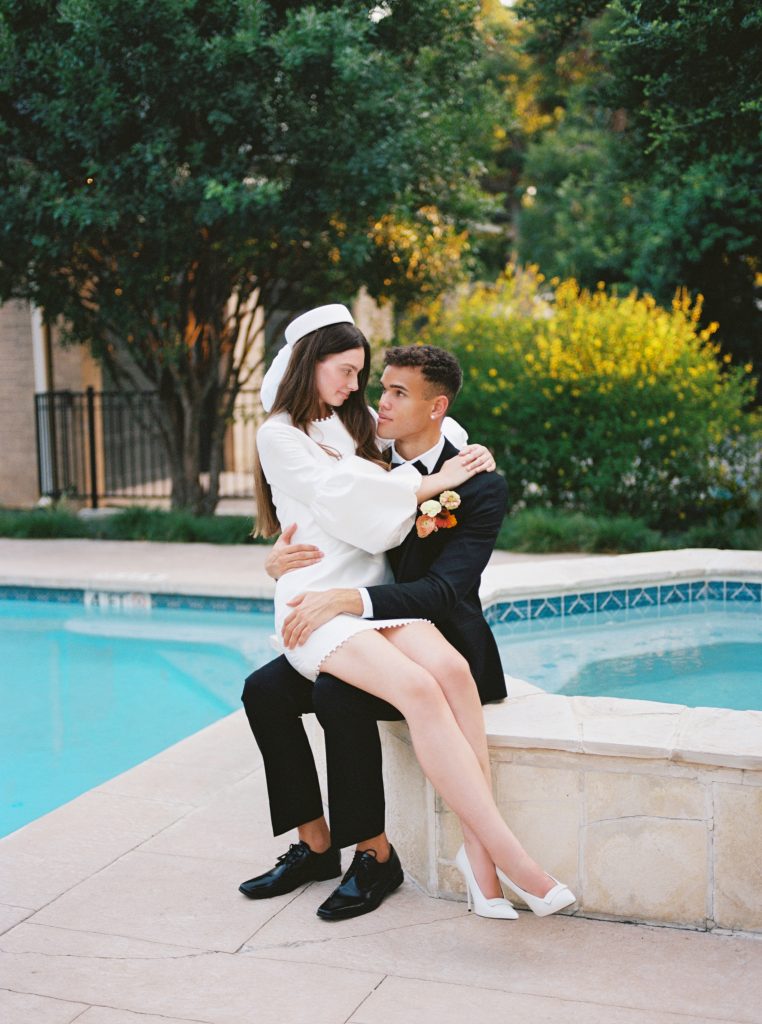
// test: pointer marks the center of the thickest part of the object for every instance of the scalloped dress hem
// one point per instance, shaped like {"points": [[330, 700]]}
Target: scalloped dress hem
{"points": [[309, 659]]}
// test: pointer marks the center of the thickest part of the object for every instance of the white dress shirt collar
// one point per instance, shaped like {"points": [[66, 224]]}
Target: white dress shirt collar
{"points": [[429, 458]]}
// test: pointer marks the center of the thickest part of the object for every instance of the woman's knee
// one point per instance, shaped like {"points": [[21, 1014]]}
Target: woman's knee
{"points": [[420, 692], [453, 672]]}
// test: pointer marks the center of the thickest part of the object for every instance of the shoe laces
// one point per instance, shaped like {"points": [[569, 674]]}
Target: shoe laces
{"points": [[364, 865], [294, 853]]}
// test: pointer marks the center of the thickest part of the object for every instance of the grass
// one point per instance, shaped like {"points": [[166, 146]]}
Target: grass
{"points": [[540, 531]]}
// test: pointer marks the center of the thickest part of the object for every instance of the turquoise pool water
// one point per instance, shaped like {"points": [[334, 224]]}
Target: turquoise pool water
{"points": [[707, 654], [87, 693]]}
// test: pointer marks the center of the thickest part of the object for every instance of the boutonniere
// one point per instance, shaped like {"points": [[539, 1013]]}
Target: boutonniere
{"points": [[437, 515]]}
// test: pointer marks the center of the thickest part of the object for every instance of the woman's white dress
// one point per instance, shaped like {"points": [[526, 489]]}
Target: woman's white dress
{"points": [[351, 509]]}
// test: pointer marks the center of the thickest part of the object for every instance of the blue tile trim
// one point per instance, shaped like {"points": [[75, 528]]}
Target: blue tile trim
{"points": [[579, 604], [179, 601], [545, 607], [737, 591], [59, 595], [632, 598], [212, 604], [514, 611], [610, 600], [639, 597], [698, 591], [550, 607]]}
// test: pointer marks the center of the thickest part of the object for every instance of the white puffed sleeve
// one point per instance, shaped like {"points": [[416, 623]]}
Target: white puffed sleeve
{"points": [[454, 433], [366, 506], [351, 498]]}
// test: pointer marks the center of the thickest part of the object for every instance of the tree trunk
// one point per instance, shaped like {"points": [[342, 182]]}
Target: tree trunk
{"points": [[185, 457], [211, 497], [184, 409]]}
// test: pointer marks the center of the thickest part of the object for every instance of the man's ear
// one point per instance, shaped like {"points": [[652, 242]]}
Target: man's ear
{"points": [[439, 407]]}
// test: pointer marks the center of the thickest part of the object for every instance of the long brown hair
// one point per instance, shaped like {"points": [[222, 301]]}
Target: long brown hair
{"points": [[298, 396]]}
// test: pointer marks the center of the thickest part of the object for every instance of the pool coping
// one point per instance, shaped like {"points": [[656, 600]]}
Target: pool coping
{"points": [[530, 717]]}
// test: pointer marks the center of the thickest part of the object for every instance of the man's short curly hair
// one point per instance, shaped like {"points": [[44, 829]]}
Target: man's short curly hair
{"points": [[439, 367]]}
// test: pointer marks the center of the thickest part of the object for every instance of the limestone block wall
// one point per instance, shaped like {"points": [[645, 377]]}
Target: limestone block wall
{"points": [[650, 839], [636, 839]]}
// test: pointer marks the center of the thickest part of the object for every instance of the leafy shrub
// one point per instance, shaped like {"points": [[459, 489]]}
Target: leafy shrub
{"points": [[599, 402], [545, 531], [174, 527], [41, 524], [131, 524]]}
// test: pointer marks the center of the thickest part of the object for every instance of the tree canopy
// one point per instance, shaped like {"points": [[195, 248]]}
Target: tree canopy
{"points": [[652, 176], [166, 166]]}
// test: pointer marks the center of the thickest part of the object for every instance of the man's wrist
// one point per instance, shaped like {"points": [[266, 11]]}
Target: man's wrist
{"points": [[349, 601]]}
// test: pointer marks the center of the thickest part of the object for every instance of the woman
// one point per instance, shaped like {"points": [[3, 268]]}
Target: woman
{"points": [[319, 465]]}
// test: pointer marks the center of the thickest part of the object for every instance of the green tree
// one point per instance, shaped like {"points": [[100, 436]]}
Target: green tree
{"points": [[652, 178], [167, 167]]}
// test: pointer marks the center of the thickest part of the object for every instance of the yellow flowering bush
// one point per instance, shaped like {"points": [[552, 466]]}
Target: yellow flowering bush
{"points": [[599, 402]]}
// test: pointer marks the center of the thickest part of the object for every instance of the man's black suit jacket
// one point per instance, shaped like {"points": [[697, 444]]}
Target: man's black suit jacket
{"points": [[437, 577]]}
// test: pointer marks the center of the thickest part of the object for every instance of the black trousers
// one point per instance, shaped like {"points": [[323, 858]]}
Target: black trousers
{"points": [[275, 698]]}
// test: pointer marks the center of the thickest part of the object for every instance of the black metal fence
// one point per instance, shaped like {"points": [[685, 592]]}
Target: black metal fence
{"points": [[107, 444]]}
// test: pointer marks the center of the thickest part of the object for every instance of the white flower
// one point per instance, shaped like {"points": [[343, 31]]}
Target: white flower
{"points": [[431, 507], [450, 499]]}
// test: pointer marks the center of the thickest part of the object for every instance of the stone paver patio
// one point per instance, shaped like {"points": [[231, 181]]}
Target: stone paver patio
{"points": [[121, 907]]}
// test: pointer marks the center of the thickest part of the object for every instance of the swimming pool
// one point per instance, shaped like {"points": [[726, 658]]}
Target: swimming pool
{"points": [[94, 683], [704, 654], [90, 692]]}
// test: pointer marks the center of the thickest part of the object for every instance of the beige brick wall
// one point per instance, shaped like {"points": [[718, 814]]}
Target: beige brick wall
{"points": [[18, 465], [73, 369]]}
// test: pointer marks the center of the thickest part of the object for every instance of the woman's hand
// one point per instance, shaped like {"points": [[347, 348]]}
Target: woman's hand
{"points": [[472, 459], [285, 556], [313, 609], [477, 459]]}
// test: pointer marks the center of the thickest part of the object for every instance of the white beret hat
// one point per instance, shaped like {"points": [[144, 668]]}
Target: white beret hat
{"points": [[321, 316]]}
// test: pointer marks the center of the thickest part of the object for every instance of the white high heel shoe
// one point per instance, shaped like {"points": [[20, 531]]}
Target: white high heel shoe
{"points": [[559, 897], [498, 908]]}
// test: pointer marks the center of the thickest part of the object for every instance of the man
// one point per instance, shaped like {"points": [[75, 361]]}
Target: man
{"points": [[437, 578]]}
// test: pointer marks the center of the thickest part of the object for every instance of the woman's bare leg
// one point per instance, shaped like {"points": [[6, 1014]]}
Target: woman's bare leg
{"points": [[368, 661], [424, 644]]}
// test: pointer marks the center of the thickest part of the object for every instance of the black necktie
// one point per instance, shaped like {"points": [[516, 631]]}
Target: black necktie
{"points": [[418, 465]]}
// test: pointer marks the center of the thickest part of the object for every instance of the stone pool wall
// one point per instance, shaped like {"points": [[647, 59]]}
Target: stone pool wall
{"points": [[649, 812], [637, 840]]}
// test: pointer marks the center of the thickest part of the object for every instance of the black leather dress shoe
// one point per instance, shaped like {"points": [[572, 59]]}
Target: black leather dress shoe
{"points": [[292, 869], [363, 887]]}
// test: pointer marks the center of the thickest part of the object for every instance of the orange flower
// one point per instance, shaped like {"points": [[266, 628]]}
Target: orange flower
{"points": [[425, 525], [445, 520], [436, 517]]}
